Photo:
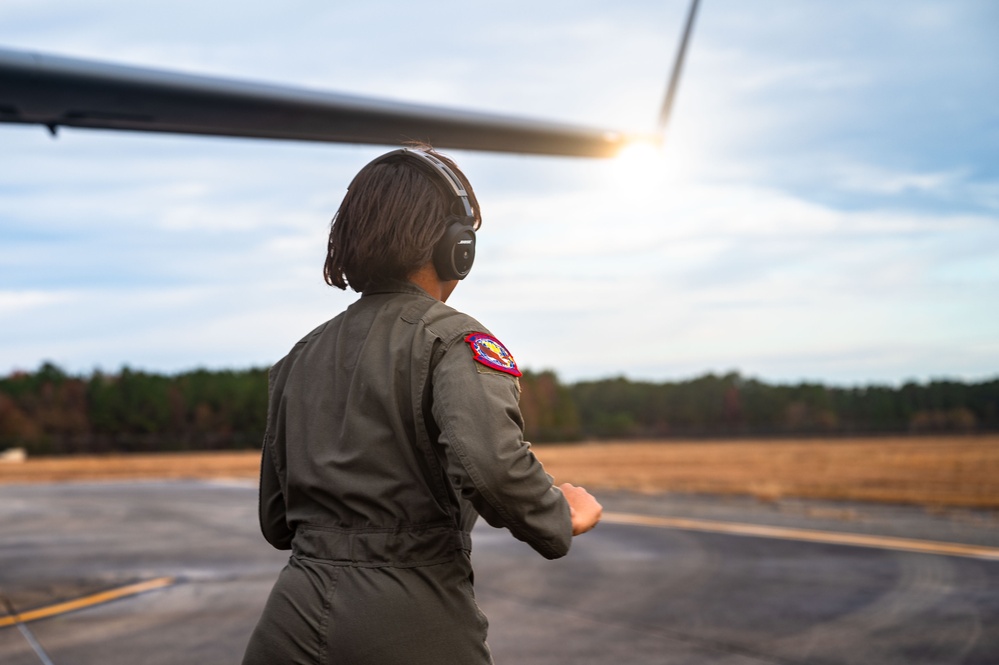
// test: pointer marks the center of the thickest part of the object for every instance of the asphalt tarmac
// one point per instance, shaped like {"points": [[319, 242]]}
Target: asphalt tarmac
{"points": [[626, 594]]}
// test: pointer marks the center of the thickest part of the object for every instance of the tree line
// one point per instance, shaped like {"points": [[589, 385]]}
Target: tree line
{"points": [[51, 412]]}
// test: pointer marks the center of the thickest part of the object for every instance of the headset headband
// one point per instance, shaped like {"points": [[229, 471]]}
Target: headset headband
{"points": [[437, 169]]}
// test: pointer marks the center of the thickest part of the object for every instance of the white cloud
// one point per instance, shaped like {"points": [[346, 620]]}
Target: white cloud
{"points": [[815, 76], [804, 223], [729, 276], [869, 178], [14, 303]]}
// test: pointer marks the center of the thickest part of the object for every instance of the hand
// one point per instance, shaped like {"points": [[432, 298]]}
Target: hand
{"points": [[585, 510]]}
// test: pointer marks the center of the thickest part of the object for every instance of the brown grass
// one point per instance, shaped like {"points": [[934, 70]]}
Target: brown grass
{"points": [[940, 471], [943, 471], [131, 467]]}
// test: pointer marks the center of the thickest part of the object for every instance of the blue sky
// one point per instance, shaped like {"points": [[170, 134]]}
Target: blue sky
{"points": [[827, 207]]}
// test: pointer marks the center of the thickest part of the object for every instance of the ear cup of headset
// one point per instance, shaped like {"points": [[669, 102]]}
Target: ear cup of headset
{"points": [[455, 252]]}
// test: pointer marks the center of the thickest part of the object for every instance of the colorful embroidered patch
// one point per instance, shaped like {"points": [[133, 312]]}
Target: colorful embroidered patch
{"points": [[490, 352]]}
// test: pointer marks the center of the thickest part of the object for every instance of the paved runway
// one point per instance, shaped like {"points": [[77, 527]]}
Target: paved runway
{"points": [[626, 594]]}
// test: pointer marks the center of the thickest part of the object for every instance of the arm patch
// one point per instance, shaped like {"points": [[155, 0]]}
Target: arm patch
{"points": [[489, 351]]}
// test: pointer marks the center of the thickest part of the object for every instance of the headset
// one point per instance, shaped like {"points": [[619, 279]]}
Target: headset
{"points": [[454, 253]]}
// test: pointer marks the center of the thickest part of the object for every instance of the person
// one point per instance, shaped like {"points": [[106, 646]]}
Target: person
{"points": [[389, 429]]}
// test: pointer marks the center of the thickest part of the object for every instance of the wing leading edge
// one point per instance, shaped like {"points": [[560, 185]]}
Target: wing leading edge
{"points": [[57, 91]]}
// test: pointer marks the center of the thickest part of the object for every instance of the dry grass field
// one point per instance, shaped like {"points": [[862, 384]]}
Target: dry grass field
{"points": [[939, 471], [133, 467]]}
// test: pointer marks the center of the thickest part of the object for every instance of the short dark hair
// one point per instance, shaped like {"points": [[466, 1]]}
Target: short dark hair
{"points": [[389, 221]]}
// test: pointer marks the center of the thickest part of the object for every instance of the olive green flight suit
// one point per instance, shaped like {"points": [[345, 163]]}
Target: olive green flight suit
{"points": [[384, 439]]}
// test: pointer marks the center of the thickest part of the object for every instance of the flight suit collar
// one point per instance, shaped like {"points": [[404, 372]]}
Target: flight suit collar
{"points": [[396, 286]]}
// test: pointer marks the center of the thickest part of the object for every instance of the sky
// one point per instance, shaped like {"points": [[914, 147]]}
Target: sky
{"points": [[826, 207]]}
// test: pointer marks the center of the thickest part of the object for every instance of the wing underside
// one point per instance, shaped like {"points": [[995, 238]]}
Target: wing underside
{"points": [[67, 92]]}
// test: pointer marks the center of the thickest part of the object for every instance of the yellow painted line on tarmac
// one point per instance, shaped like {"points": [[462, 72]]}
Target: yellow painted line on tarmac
{"points": [[86, 601], [807, 535]]}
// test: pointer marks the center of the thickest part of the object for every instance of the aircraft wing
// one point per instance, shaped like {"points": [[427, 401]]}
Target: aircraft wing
{"points": [[58, 91]]}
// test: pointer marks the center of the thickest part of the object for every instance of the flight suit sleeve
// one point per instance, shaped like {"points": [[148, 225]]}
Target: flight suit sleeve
{"points": [[477, 411], [271, 506]]}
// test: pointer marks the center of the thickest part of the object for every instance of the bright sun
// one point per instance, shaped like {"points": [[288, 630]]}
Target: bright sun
{"points": [[641, 166]]}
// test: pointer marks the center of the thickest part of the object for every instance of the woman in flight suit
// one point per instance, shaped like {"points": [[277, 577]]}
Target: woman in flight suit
{"points": [[389, 429]]}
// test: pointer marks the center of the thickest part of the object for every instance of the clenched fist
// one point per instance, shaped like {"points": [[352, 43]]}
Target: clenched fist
{"points": [[585, 510]]}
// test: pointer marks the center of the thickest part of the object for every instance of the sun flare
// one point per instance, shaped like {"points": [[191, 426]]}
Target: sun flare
{"points": [[641, 166]]}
